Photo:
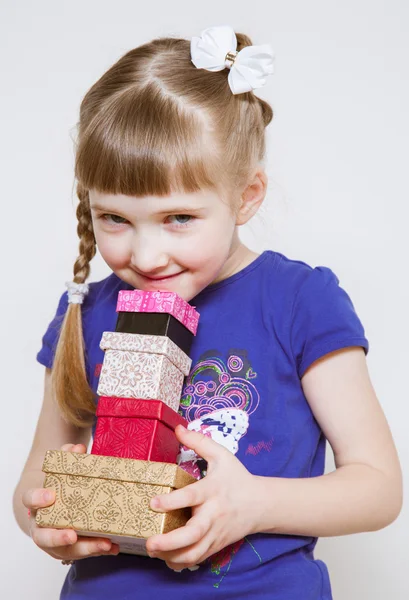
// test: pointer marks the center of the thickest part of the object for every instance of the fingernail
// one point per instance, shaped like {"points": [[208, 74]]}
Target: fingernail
{"points": [[194, 568], [47, 496], [155, 502]]}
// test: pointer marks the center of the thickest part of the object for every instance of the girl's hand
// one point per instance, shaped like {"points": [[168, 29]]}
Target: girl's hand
{"points": [[63, 543], [222, 507]]}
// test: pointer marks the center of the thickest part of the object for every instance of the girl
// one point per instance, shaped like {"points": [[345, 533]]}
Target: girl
{"points": [[169, 165]]}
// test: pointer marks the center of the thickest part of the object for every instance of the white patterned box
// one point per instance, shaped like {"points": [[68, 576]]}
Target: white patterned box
{"points": [[154, 344], [140, 366]]}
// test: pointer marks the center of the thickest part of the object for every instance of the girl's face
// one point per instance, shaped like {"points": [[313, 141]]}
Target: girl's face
{"points": [[179, 243]]}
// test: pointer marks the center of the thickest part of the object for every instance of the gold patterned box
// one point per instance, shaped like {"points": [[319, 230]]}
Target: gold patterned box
{"points": [[142, 366], [106, 496]]}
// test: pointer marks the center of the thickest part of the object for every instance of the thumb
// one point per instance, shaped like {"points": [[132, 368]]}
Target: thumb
{"points": [[203, 445], [35, 498]]}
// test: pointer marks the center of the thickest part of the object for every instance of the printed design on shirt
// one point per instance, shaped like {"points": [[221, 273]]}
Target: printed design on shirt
{"points": [[255, 449], [225, 557], [217, 400]]}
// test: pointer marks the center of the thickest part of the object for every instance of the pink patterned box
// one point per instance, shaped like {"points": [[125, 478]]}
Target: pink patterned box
{"points": [[141, 366], [159, 302]]}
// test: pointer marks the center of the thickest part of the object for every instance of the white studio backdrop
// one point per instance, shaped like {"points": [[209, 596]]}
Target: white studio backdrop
{"points": [[338, 196]]}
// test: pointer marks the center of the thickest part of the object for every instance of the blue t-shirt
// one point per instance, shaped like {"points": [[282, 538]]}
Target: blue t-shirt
{"points": [[259, 330]]}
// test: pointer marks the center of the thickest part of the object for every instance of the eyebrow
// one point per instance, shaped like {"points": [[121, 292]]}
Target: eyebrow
{"points": [[174, 210]]}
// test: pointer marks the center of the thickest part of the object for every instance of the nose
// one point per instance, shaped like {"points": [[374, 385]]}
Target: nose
{"points": [[148, 255]]}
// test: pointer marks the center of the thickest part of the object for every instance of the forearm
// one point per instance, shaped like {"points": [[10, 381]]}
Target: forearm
{"points": [[29, 479], [352, 499]]}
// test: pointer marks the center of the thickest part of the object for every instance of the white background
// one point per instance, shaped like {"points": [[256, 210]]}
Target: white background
{"points": [[338, 196]]}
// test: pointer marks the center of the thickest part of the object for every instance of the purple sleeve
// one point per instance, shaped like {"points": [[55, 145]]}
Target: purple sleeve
{"points": [[323, 319], [50, 339]]}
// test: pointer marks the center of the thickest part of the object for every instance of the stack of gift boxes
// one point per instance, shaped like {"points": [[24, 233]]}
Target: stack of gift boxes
{"points": [[133, 458]]}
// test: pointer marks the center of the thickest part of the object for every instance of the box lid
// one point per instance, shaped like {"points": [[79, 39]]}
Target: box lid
{"points": [[112, 406], [153, 344], [120, 469], [159, 302]]}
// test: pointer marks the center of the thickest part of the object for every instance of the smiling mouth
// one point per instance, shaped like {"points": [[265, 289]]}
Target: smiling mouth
{"points": [[161, 278]]}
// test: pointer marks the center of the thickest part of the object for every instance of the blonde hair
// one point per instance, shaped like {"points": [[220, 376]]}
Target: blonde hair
{"points": [[153, 124]]}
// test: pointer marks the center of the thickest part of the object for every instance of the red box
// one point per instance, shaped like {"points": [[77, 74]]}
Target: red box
{"points": [[136, 428]]}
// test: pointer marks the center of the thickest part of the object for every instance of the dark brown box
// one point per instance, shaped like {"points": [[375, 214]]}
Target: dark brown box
{"points": [[155, 324]]}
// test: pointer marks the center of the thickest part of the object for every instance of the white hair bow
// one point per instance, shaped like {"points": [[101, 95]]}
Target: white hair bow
{"points": [[216, 49]]}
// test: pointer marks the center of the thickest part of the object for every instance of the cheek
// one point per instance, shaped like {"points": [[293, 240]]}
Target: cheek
{"points": [[207, 256], [214, 235], [218, 238], [112, 249]]}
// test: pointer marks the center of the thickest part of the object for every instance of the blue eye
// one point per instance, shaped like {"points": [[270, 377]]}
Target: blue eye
{"points": [[107, 217], [186, 219]]}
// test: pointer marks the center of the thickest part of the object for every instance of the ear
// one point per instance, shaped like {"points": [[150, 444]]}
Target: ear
{"points": [[252, 196]]}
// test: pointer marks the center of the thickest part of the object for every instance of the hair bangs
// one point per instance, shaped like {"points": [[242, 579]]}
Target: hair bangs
{"points": [[147, 144]]}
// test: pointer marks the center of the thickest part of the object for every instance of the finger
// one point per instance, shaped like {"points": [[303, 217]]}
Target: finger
{"points": [[53, 538], [68, 543], [79, 448], [192, 533], [191, 495], [38, 498], [203, 445], [113, 551], [87, 546], [90, 546], [67, 447], [70, 553], [191, 556]]}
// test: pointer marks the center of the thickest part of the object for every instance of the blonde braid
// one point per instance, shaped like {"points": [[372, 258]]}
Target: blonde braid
{"points": [[85, 231], [73, 393]]}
